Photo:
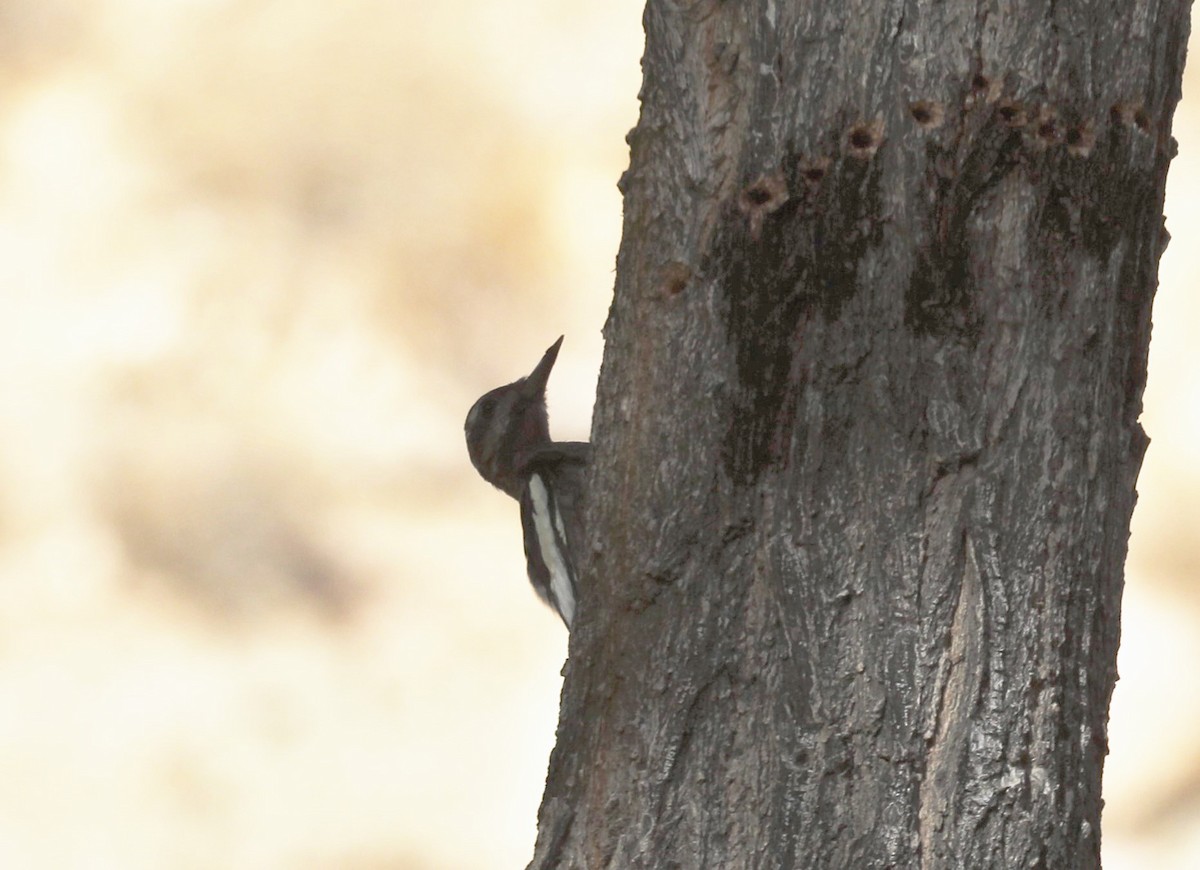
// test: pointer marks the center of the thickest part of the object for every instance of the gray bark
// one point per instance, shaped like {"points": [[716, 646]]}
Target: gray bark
{"points": [[866, 436]]}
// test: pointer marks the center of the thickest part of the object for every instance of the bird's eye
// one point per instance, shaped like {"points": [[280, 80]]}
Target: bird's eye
{"points": [[487, 407]]}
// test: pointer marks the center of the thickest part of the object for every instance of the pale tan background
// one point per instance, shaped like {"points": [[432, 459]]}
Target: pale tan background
{"points": [[256, 261]]}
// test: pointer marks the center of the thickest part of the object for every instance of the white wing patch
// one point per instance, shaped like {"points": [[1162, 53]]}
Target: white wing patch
{"points": [[560, 576]]}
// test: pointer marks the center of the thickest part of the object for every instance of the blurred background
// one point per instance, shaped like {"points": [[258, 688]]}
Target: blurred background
{"points": [[256, 261]]}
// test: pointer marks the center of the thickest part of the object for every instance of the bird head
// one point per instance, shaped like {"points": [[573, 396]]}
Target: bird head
{"points": [[508, 423]]}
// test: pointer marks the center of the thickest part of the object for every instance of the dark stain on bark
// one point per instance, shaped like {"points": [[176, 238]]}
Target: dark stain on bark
{"points": [[1102, 208], [801, 262], [1096, 201], [939, 299]]}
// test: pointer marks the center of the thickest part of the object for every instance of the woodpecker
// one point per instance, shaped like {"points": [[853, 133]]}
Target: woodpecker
{"points": [[508, 439]]}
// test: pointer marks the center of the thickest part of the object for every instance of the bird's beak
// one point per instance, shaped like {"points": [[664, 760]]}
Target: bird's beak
{"points": [[535, 384]]}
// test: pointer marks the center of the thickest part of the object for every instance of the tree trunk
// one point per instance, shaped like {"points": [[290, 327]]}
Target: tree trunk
{"points": [[867, 436]]}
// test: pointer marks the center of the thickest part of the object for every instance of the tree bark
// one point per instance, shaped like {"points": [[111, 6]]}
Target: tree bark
{"points": [[866, 436]]}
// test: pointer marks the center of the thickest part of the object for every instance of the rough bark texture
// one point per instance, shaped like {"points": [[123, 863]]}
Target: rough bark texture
{"points": [[867, 436]]}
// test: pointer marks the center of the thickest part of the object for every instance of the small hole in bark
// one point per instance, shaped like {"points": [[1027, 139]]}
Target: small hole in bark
{"points": [[1124, 112], [1080, 140], [813, 170], [767, 192], [927, 113], [1046, 128], [984, 89], [675, 278], [1012, 113], [762, 197], [863, 140]]}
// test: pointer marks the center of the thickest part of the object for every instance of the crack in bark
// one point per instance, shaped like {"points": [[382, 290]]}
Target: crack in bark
{"points": [[959, 692]]}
